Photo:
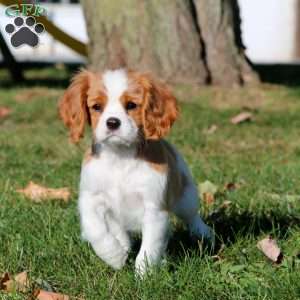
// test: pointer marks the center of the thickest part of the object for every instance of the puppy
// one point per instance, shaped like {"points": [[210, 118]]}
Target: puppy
{"points": [[131, 178]]}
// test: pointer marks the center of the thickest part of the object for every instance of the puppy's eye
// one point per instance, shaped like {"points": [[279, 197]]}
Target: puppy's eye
{"points": [[130, 105], [96, 107]]}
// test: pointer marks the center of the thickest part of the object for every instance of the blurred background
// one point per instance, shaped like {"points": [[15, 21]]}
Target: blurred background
{"points": [[269, 34], [234, 67]]}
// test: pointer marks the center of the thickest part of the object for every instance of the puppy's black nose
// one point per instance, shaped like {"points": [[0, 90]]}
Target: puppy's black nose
{"points": [[113, 123]]}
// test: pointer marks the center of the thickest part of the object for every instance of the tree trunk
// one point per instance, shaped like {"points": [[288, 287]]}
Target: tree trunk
{"points": [[175, 39], [219, 24]]}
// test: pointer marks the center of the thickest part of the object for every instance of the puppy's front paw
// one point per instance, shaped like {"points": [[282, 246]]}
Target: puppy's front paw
{"points": [[124, 241], [142, 265], [118, 260], [114, 254]]}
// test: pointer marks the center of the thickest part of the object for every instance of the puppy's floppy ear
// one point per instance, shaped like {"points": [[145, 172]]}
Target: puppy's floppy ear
{"points": [[73, 105], [160, 109]]}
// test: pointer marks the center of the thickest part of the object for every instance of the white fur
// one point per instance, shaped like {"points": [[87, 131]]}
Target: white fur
{"points": [[120, 193], [116, 83]]}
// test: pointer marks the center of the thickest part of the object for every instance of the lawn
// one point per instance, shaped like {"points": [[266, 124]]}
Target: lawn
{"points": [[261, 157]]}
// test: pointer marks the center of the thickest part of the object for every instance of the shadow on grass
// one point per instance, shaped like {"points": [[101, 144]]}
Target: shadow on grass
{"points": [[230, 227], [42, 75], [36, 82], [54, 76]]}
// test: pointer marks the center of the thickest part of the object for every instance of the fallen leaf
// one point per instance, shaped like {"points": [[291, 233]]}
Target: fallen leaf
{"points": [[3, 279], [241, 117], [270, 248], [19, 283], [4, 111], [208, 190], [231, 186], [44, 295], [208, 186], [208, 198], [211, 129], [38, 193]]}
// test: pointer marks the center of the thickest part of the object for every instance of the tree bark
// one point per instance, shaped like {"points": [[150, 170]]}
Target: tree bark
{"points": [[178, 40], [219, 22], [150, 35]]}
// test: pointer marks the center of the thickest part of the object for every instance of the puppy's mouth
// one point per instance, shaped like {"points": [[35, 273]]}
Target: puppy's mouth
{"points": [[115, 138]]}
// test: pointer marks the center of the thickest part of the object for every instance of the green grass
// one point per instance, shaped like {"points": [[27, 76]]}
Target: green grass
{"points": [[263, 156]]}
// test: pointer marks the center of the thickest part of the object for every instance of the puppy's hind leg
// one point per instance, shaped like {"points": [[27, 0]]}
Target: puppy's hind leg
{"points": [[187, 209]]}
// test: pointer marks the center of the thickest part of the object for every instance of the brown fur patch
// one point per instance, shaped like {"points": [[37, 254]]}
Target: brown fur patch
{"points": [[96, 95], [72, 106], [155, 154], [76, 105], [135, 94], [157, 108], [162, 158]]}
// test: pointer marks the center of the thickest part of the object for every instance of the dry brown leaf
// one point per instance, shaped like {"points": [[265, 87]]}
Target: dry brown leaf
{"points": [[44, 295], [211, 129], [3, 279], [270, 249], [18, 283], [207, 190], [208, 198], [4, 111], [231, 186], [241, 117], [38, 193]]}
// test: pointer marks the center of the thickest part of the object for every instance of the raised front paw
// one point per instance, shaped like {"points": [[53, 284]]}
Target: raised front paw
{"points": [[124, 241], [111, 253], [117, 260]]}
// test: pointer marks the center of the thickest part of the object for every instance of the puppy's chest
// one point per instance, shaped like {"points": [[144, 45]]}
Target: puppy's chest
{"points": [[125, 185], [111, 173]]}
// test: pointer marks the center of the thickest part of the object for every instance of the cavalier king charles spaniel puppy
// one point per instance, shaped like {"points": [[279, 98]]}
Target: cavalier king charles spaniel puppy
{"points": [[131, 178]]}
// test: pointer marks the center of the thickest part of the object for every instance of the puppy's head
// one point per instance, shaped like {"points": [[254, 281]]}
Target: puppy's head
{"points": [[122, 107]]}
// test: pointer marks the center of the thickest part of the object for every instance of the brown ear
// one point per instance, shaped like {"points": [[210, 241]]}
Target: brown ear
{"points": [[73, 105], [160, 110]]}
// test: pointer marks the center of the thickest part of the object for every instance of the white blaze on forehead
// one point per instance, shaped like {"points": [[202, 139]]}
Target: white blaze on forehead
{"points": [[116, 83]]}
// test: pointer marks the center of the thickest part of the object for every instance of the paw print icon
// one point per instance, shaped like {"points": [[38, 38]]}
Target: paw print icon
{"points": [[24, 33]]}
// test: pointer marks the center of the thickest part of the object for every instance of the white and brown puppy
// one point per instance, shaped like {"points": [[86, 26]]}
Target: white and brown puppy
{"points": [[131, 179]]}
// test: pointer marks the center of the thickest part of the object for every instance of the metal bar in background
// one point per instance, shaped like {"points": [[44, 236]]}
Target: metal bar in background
{"points": [[10, 62]]}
